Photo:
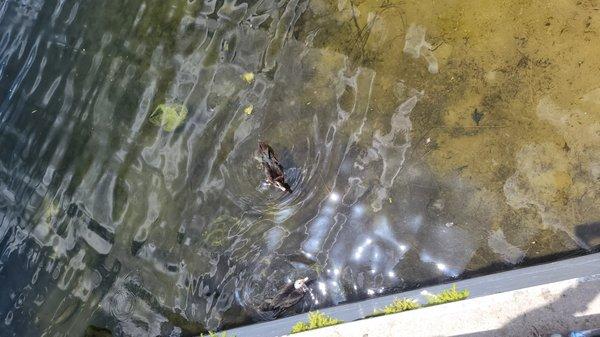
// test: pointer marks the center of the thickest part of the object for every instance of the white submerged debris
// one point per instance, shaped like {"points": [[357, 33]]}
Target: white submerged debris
{"points": [[416, 46], [499, 245]]}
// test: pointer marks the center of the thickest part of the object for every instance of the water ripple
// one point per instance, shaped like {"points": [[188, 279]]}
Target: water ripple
{"points": [[89, 183]]}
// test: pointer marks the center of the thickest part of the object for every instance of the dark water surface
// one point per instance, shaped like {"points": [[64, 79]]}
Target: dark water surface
{"points": [[108, 219]]}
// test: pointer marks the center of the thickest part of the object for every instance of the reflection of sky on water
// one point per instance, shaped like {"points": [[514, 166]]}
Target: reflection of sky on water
{"points": [[448, 249], [374, 250]]}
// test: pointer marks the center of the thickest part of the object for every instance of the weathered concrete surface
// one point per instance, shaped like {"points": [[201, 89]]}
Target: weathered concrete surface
{"points": [[536, 311]]}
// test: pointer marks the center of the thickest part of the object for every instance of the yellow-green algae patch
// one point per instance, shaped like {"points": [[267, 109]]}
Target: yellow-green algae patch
{"points": [[169, 116]]}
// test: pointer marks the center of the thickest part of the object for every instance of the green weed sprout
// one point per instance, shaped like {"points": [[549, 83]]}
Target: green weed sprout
{"points": [[315, 320], [168, 116], [447, 296], [398, 305]]}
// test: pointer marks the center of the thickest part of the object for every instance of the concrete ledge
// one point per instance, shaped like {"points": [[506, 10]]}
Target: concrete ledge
{"points": [[584, 270], [536, 311]]}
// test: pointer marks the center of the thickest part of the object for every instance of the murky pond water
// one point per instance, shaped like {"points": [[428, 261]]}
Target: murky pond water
{"points": [[423, 140]]}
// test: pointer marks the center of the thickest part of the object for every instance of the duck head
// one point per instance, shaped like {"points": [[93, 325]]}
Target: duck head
{"points": [[300, 284]]}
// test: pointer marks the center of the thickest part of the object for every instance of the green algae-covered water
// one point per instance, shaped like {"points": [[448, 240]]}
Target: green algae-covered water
{"points": [[424, 141]]}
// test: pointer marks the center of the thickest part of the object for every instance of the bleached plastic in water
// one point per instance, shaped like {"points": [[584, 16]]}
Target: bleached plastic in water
{"points": [[416, 46]]}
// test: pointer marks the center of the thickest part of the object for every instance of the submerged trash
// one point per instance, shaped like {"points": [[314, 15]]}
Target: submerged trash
{"points": [[248, 110], [272, 168], [416, 46], [287, 297], [168, 116]]}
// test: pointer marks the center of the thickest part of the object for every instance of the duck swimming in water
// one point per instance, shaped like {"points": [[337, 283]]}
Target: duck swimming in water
{"points": [[271, 166], [287, 297]]}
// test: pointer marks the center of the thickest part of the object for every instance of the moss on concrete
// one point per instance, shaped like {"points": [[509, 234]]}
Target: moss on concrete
{"points": [[315, 320]]}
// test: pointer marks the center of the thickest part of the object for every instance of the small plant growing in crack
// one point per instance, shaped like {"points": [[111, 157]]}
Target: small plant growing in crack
{"points": [[398, 305], [315, 320], [447, 296]]}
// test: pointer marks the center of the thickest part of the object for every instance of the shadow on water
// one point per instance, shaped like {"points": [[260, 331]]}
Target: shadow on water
{"points": [[589, 233]]}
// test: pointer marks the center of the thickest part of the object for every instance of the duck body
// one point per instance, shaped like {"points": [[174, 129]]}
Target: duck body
{"points": [[272, 167], [287, 297]]}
